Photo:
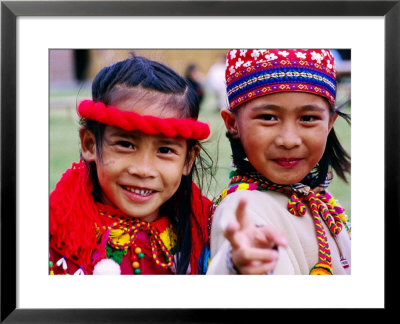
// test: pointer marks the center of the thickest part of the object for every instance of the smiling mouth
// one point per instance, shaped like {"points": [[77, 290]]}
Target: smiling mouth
{"points": [[288, 162], [139, 191]]}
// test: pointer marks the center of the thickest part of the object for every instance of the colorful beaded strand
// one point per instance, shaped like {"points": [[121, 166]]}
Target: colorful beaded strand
{"points": [[132, 228]]}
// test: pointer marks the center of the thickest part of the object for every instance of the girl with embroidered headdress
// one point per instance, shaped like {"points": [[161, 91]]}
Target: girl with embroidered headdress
{"points": [[130, 205], [280, 126]]}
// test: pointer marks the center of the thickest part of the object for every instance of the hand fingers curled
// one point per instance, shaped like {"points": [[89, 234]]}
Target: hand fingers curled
{"points": [[241, 257], [272, 236]]}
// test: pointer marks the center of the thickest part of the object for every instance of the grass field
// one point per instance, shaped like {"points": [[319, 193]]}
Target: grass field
{"points": [[64, 144]]}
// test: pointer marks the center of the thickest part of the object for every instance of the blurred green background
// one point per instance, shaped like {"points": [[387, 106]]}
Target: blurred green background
{"points": [[70, 82]]}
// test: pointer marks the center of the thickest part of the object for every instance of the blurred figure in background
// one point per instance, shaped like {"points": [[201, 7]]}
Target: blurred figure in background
{"points": [[216, 82], [81, 60], [195, 78]]}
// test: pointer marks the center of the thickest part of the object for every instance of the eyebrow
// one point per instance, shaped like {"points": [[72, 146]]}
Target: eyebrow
{"points": [[161, 141], [278, 108], [170, 142]]}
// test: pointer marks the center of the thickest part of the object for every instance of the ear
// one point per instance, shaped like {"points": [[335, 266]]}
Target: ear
{"points": [[192, 157], [332, 121], [88, 144], [230, 122]]}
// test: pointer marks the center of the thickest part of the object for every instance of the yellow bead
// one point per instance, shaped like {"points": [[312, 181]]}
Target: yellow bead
{"points": [[138, 250], [243, 186], [135, 264], [224, 193]]}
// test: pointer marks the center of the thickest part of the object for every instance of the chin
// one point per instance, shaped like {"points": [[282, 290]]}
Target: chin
{"points": [[286, 181]]}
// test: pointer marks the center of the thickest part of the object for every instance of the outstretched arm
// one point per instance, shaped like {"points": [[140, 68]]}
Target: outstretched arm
{"points": [[254, 249]]}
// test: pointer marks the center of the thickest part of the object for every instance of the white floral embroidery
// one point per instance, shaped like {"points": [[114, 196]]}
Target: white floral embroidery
{"points": [[233, 54], [271, 57], [243, 52], [329, 65], [239, 62], [301, 55], [316, 56], [255, 54], [283, 53], [247, 64], [79, 272], [232, 70], [62, 262], [329, 54]]}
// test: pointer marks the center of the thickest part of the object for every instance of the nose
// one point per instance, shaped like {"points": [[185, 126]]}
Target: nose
{"points": [[142, 165], [288, 137]]}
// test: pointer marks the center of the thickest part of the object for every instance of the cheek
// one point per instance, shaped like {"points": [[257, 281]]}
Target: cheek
{"points": [[106, 168], [317, 146], [174, 175], [255, 140]]}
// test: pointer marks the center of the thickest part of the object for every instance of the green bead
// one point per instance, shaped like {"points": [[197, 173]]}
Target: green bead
{"points": [[50, 264], [141, 255], [137, 271]]}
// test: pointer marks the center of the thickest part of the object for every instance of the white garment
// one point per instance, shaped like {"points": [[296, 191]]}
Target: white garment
{"points": [[270, 208]]}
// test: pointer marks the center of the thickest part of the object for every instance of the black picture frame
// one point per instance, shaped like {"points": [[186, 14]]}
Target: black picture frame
{"points": [[10, 10]]}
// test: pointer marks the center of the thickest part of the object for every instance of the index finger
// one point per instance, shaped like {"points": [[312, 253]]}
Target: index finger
{"points": [[241, 216]]}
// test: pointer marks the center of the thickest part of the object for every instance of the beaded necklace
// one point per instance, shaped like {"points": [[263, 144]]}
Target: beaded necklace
{"points": [[122, 235], [322, 204]]}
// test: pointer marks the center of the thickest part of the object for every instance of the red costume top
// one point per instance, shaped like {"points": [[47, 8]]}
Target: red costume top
{"points": [[90, 238]]}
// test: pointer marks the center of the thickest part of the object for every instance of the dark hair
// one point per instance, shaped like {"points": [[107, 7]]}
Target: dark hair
{"points": [[143, 74], [334, 156]]}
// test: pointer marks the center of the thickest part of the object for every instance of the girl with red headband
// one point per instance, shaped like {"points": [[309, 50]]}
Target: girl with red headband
{"points": [[130, 205], [280, 126]]}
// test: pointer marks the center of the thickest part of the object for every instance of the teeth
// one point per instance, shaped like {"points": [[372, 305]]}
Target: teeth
{"points": [[142, 192]]}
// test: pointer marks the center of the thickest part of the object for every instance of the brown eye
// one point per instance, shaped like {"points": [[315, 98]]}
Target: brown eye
{"points": [[125, 144], [268, 117], [165, 150], [308, 118]]}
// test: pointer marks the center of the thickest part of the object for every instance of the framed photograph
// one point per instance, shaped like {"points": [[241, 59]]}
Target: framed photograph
{"points": [[30, 30]]}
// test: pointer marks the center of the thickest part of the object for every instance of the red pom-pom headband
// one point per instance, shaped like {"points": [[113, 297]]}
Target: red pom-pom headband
{"points": [[129, 120]]}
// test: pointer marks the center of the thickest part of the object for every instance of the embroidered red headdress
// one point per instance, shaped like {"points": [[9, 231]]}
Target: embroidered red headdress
{"points": [[251, 73]]}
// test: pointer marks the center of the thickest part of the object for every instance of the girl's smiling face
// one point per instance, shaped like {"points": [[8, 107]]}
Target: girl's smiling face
{"points": [[138, 172], [283, 134]]}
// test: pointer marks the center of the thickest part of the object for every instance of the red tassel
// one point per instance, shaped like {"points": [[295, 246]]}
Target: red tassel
{"points": [[73, 214]]}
